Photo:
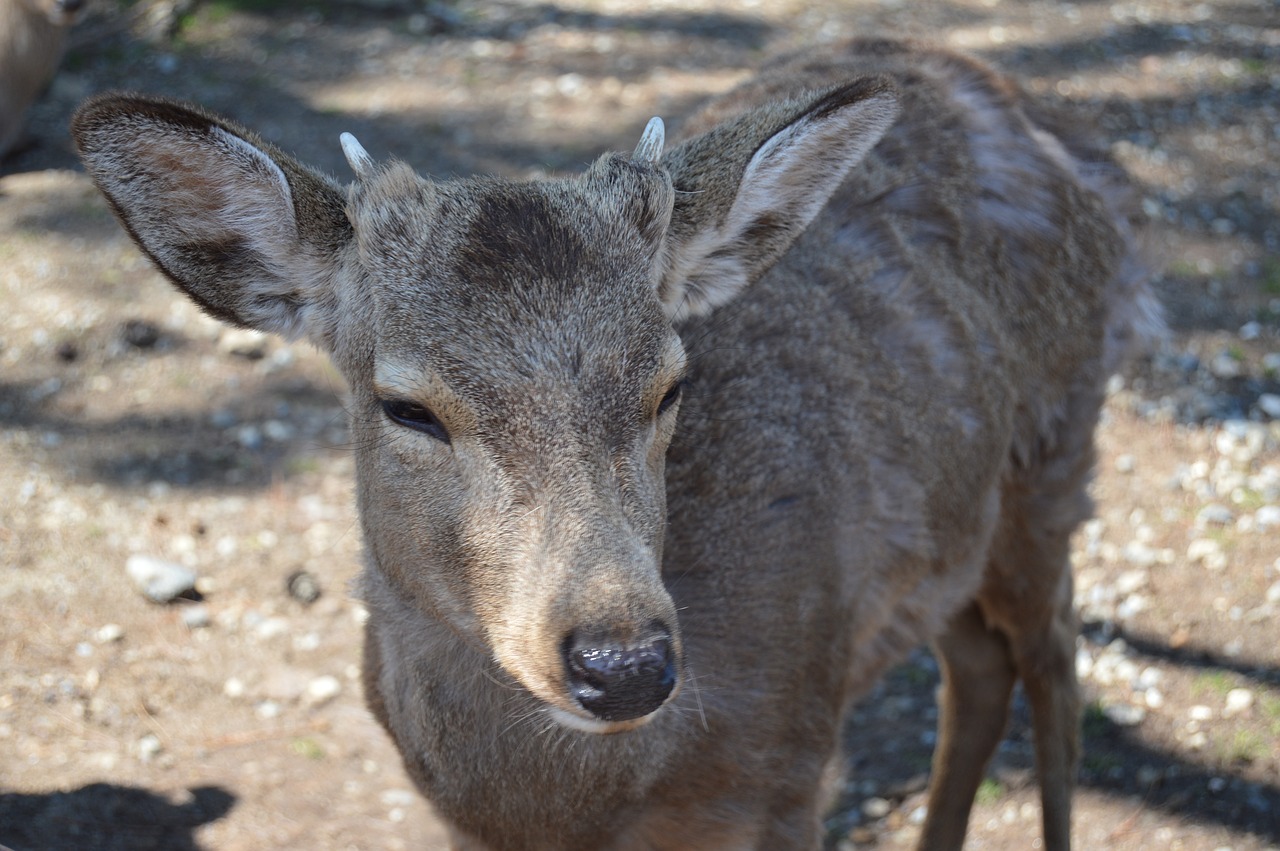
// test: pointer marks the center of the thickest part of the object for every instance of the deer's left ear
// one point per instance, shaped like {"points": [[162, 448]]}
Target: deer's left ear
{"points": [[747, 188], [247, 232]]}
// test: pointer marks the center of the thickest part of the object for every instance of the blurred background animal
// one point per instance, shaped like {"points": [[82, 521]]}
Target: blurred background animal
{"points": [[33, 37]]}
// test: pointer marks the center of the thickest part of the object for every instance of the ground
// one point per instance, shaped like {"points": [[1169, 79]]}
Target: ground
{"points": [[131, 425]]}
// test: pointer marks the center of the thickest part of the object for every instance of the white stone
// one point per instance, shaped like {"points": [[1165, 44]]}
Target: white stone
{"points": [[1267, 516], [196, 617], [1136, 552], [148, 747], [398, 798], [243, 342], [1201, 548], [1200, 712], [267, 710], [1239, 700], [271, 627], [1224, 365], [108, 633], [278, 431], [1214, 514], [1125, 715], [1131, 580], [1269, 404], [1131, 606], [159, 580], [876, 808], [323, 689]]}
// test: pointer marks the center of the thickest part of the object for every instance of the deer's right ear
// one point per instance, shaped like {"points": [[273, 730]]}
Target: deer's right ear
{"points": [[251, 235]]}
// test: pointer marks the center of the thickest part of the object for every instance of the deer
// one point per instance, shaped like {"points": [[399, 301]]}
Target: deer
{"points": [[660, 466], [33, 37]]}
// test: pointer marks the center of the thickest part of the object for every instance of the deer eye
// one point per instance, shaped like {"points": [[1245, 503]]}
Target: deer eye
{"points": [[415, 416], [671, 397]]}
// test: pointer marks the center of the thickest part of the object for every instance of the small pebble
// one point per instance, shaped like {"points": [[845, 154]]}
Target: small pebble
{"points": [[148, 747], [1224, 365], [1267, 516], [1125, 715], [1239, 700], [271, 627], [303, 587], [1131, 580], [140, 333], [323, 689], [161, 581], [1214, 514], [876, 808], [397, 798], [1201, 548], [244, 343], [108, 633], [278, 431], [1199, 712], [196, 617]]}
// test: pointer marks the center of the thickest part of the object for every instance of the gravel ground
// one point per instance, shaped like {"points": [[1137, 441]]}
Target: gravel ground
{"points": [[131, 426]]}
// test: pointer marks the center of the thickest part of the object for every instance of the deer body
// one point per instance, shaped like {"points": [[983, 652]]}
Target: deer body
{"points": [[660, 468], [33, 36]]}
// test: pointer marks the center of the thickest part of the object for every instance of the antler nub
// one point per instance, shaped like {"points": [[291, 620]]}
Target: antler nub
{"points": [[357, 157], [651, 141]]}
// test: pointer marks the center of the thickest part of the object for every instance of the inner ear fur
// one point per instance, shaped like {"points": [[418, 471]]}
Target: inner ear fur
{"points": [[746, 188], [250, 234]]}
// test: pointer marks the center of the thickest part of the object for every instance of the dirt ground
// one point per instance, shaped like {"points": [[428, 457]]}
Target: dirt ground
{"points": [[132, 425]]}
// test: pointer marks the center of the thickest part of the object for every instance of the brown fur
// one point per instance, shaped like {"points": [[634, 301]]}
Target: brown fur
{"points": [[33, 36], [894, 299]]}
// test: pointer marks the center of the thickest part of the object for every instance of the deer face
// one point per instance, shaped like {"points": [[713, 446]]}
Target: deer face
{"points": [[524, 387]]}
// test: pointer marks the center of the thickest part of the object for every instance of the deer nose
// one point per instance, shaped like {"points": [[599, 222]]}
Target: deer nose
{"points": [[618, 683]]}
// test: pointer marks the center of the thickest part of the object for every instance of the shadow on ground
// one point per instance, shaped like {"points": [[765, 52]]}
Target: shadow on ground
{"points": [[106, 817]]}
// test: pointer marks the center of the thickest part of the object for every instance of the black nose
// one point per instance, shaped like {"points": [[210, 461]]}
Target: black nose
{"points": [[616, 683], [70, 7]]}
